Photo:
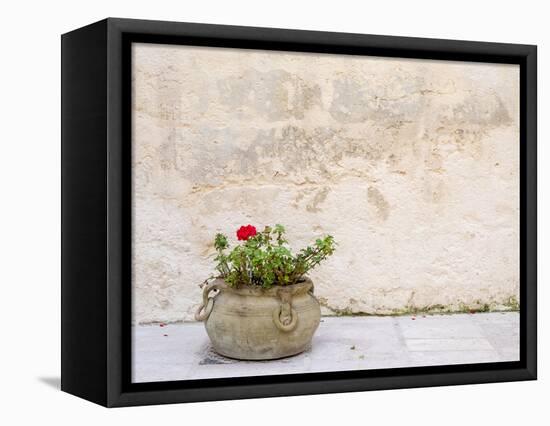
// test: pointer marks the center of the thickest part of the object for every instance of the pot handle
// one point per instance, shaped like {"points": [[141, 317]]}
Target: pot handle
{"points": [[285, 317], [207, 302]]}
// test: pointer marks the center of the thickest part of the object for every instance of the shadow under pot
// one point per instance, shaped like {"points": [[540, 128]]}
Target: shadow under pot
{"points": [[254, 323]]}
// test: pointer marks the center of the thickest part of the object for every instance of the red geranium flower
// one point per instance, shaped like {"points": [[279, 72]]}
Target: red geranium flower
{"points": [[245, 232]]}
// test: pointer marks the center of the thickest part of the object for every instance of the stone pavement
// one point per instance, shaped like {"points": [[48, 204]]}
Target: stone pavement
{"points": [[182, 351]]}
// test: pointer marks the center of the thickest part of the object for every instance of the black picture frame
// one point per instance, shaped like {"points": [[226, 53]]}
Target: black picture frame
{"points": [[96, 215]]}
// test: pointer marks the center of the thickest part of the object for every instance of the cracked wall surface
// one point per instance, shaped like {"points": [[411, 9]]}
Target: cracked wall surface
{"points": [[412, 165]]}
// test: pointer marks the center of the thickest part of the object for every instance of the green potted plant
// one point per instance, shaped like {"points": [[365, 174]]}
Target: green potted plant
{"points": [[260, 304]]}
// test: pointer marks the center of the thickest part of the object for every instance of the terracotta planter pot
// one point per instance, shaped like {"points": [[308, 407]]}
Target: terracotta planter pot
{"points": [[256, 324]]}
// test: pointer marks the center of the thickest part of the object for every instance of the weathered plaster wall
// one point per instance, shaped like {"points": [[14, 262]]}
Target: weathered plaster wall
{"points": [[412, 165]]}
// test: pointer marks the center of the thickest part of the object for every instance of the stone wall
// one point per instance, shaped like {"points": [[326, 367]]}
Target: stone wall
{"points": [[412, 165]]}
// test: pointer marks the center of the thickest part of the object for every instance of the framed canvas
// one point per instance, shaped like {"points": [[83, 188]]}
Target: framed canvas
{"points": [[254, 212]]}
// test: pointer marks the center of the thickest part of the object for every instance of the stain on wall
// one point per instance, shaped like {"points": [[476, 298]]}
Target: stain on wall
{"points": [[412, 165]]}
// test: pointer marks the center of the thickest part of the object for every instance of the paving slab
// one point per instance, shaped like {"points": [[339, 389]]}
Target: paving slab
{"points": [[182, 351]]}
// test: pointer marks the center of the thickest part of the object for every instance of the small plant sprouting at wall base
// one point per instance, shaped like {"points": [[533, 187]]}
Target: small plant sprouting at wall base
{"points": [[264, 259]]}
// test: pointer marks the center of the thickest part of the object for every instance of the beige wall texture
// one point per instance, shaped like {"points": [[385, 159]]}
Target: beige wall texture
{"points": [[412, 165]]}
